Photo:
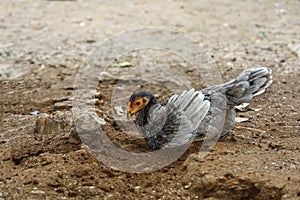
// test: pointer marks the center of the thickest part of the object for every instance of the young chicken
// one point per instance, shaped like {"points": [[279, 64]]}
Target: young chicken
{"points": [[206, 114]]}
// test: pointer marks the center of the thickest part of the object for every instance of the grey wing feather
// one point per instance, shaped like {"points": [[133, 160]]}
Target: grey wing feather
{"points": [[157, 119], [185, 113]]}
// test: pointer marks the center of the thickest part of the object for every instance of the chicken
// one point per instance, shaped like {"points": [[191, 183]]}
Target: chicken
{"points": [[205, 114]]}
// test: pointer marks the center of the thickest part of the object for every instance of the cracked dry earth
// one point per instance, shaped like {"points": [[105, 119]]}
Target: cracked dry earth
{"points": [[42, 46]]}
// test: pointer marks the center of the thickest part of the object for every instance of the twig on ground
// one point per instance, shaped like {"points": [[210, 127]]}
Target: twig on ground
{"points": [[251, 129]]}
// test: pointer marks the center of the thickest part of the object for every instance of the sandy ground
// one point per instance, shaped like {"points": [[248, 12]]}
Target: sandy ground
{"points": [[42, 46]]}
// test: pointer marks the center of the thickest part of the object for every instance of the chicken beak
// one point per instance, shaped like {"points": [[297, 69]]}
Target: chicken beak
{"points": [[129, 115]]}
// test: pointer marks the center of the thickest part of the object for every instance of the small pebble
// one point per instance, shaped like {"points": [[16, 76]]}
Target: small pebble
{"points": [[35, 113]]}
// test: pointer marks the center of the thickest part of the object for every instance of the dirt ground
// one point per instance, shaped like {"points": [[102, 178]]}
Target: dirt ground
{"points": [[42, 46]]}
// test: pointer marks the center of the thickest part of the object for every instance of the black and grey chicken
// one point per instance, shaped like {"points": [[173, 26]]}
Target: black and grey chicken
{"points": [[195, 114]]}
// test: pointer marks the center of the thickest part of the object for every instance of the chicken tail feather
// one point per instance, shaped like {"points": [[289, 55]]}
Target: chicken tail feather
{"points": [[249, 83]]}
